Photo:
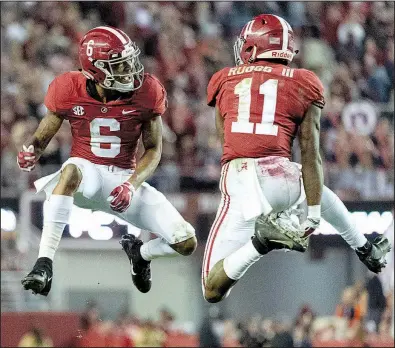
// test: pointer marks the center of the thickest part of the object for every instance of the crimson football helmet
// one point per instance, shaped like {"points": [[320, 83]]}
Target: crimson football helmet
{"points": [[110, 58], [266, 36]]}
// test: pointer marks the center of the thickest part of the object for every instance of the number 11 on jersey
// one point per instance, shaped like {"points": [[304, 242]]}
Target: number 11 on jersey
{"points": [[243, 124]]}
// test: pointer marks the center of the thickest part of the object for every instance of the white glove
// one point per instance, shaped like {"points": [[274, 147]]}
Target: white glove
{"points": [[313, 220]]}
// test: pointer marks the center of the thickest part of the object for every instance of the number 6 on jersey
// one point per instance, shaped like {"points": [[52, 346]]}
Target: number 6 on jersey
{"points": [[243, 124], [97, 138]]}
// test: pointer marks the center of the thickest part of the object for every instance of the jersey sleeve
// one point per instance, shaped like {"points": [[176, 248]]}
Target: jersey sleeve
{"points": [[50, 97], [58, 94], [314, 89], [160, 105], [156, 97], [213, 88]]}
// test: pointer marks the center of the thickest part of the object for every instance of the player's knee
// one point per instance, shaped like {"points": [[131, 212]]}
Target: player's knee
{"points": [[70, 179], [212, 295], [186, 247], [190, 246]]}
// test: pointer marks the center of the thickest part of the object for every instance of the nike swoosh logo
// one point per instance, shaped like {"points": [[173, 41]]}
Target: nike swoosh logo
{"points": [[125, 112], [49, 279], [133, 273]]}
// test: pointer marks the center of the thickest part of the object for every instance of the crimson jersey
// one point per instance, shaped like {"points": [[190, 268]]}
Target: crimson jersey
{"points": [[263, 105], [107, 133]]}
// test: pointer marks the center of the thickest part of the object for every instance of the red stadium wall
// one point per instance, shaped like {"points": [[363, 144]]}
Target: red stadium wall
{"points": [[62, 328], [371, 341]]}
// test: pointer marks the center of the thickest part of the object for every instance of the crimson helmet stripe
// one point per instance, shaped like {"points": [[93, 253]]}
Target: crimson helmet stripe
{"points": [[248, 28], [286, 27], [124, 34], [117, 33]]}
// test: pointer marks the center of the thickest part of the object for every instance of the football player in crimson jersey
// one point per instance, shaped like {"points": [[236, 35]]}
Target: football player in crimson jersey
{"points": [[261, 105], [109, 105]]}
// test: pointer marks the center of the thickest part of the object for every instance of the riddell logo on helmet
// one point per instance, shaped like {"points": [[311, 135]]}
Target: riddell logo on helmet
{"points": [[282, 55]]}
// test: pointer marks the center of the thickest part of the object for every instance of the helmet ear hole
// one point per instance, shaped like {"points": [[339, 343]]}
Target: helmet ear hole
{"points": [[264, 21]]}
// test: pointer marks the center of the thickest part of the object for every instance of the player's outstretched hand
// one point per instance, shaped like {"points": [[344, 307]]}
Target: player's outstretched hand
{"points": [[27, 159], [121, 197]]}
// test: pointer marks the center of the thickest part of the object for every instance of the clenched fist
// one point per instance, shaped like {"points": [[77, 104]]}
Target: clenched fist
{"points": [[27, 158], [121, 197]]}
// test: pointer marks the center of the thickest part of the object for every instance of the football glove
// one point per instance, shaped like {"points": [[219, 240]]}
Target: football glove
{"points": [[313, 220], [121, 197], [309, 226], [27, 159]]}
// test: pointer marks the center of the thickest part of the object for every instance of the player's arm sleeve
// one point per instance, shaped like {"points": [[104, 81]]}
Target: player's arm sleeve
{"points": [[50, 97], [58, 95], [315, 90], [213, 88], [160, 104]]}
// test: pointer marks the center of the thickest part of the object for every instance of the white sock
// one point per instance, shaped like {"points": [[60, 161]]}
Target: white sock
{"points": [[56, 216], [156, 248], [334, 212], [237, 263]]}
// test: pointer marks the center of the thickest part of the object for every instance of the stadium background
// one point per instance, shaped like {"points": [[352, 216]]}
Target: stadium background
{"points": [[319, 297]]}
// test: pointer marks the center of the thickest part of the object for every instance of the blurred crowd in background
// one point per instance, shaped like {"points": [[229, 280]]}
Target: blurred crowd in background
{"points": [[350, 45], [362, 316]]}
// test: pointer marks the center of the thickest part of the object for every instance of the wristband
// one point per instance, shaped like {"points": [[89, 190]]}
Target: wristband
{"points": [[131, 187], [314, 211]]}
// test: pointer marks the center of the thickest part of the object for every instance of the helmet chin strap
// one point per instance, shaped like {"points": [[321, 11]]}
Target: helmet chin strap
{"points": [[253, 55], [112, 86]]}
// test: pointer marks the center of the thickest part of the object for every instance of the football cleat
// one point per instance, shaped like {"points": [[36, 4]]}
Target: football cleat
{"points": [[373, 254], [39, 280], [140, 269], [280, 231]]}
